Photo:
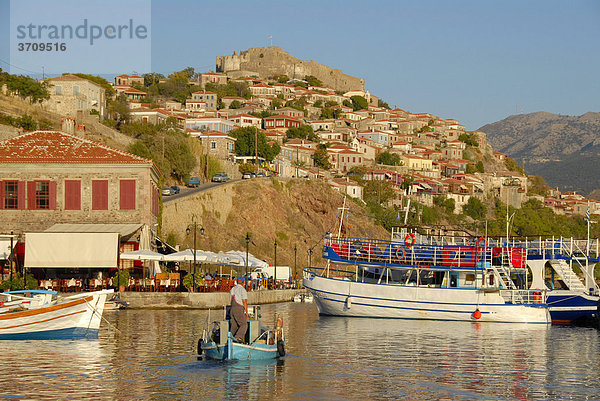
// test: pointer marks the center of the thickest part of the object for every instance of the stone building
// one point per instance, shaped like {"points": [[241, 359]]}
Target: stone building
{"points": [[70, 94], [49, 178], [272, 60], [217, 144]]}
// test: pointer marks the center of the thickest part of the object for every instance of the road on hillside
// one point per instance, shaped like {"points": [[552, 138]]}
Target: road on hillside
{"points": [[185, 191]]}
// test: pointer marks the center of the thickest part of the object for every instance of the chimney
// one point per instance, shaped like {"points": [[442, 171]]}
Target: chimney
{"points": [[68, 125]]}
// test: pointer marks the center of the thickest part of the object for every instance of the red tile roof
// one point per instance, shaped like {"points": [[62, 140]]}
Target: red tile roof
{"points": [[59, 147]]}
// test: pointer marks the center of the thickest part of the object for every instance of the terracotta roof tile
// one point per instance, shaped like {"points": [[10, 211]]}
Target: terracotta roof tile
{"points": [[59, 147]]}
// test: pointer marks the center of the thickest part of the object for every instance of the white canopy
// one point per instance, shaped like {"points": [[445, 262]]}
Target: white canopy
{"points": [[253, 261], [64, 250], [224, 259], [143, 254]]}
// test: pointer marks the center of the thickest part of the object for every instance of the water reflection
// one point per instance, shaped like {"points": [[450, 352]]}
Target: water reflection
{"points": [[153, 356]]}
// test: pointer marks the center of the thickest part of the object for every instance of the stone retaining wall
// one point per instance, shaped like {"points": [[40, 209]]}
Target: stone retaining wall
{"points": [[202, 300]]}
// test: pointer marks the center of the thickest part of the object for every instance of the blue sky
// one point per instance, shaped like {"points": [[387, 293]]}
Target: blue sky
{"points": [[476, 61]]}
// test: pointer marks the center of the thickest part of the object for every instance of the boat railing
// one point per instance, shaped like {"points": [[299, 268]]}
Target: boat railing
{"points": [[411, 253], [523, 296], [329, 273]]}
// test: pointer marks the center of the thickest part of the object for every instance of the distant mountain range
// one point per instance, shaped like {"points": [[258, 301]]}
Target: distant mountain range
{"points": [[564, 150]]}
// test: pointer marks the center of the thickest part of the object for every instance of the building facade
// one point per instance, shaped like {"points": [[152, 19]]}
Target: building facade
{"points": [[50, 177]]}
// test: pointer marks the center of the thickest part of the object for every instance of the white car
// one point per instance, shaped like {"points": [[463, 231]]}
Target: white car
{"points": [[167, 191]]}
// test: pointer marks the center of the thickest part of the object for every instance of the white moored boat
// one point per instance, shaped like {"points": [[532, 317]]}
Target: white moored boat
{"points": [[412, 277], [76, 316]]}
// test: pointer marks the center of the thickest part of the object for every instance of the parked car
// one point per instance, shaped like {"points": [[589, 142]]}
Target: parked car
{"points": [[261, 174], [193, 182], [175, 190], [220, 177], [246, 176], [167, 191]]}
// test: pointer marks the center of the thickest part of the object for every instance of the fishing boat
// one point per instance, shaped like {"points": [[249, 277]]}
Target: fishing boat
{"points": [[25, 299], [261, 342], [75, 316], [413, 277]]}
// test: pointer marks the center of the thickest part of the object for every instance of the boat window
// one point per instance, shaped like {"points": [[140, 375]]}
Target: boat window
{"points": [[469, 278], [453, 279]]}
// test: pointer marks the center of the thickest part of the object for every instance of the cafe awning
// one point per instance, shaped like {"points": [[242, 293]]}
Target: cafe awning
{"points": [[71, 250], [124, 230]]}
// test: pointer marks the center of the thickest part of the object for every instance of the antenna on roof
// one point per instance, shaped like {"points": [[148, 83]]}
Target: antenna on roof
{"points": [[270, 37]]}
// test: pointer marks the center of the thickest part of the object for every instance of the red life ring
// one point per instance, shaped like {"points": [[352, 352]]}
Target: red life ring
{"points": [[485, 243], [410, 239], [398, 256], [477, 314]]}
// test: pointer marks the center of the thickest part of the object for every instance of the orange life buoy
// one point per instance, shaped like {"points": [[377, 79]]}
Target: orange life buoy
{"points": [[398, 250], [409, 240], [537, 297], [477, 314], [485, 243]]}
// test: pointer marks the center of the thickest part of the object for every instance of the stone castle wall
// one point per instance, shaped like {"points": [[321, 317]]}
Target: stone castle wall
{"points": [[269, 61]]}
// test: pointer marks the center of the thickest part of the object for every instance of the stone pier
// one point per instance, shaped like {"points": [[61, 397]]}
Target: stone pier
{"points": [[201, 300]]}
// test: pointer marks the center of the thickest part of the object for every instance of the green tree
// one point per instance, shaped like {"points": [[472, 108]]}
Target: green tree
{"points": [[512, 165], [448, 205], [347, 103], [537, 186], [26, 122], [378, 191], [313, 81], [475, 209], [302, 132], [25, 87], [235, 104], [321, 158], [387, 158], [469, 138], [168, 148], [245, 143], [359, 103], [381, 103]]}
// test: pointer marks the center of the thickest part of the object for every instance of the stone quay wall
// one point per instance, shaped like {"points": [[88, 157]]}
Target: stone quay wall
{"points": [[201, 300]]}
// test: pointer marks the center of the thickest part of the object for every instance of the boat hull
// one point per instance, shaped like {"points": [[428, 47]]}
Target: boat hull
{"points": [[342, 297], [571, 307], [237, 351], [74, 317]]}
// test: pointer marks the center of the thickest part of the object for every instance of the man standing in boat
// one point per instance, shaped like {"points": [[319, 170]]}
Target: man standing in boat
{"points": [[239, 311]]}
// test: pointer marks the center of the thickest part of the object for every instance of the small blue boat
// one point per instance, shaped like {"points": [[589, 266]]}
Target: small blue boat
{"points": [[260, 342]]}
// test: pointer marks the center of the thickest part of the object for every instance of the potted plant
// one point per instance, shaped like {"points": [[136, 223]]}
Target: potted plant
{"points": [[123, 279], [188, 281]]}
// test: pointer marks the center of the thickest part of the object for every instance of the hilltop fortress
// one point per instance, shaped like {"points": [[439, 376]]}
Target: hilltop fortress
{"points": [[268, 61]]}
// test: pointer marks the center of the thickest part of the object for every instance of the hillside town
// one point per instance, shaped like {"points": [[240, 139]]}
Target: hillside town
{"points": [[431, 156], [345, 138]]}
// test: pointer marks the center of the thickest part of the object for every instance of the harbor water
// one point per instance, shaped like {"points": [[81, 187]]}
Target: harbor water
{"points": [[151, 355]]}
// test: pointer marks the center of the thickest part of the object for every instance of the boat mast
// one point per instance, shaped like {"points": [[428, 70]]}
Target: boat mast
{"points": [[341, 210]]}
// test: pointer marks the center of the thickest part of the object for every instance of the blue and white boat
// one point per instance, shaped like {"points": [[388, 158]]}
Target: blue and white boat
{"points": [[552, 260], [412, 276], [76, 316], [260, 343]]}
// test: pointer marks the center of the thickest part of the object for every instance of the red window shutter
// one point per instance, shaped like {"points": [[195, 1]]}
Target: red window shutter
{"points": [[127, 195], [1, 194], [99, 195], [72, 195], [21, 195], [31, 195], [52, 195]]}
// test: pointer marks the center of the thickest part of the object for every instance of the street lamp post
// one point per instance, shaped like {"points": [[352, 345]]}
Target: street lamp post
{"points": [[247, 243], [188, 231], [275, 265], [309, 255], [295, 274]]}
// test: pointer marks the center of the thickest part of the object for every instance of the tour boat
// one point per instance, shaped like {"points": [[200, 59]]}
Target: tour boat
{"points": [[260, 343], [414, 277], [76, 316]]}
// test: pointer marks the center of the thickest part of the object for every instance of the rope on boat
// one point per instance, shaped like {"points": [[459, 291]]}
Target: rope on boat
{"points": [[102, 317]]}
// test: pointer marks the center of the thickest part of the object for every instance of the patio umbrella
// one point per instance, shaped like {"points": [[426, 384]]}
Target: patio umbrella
{"points": [[142, 254]]}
